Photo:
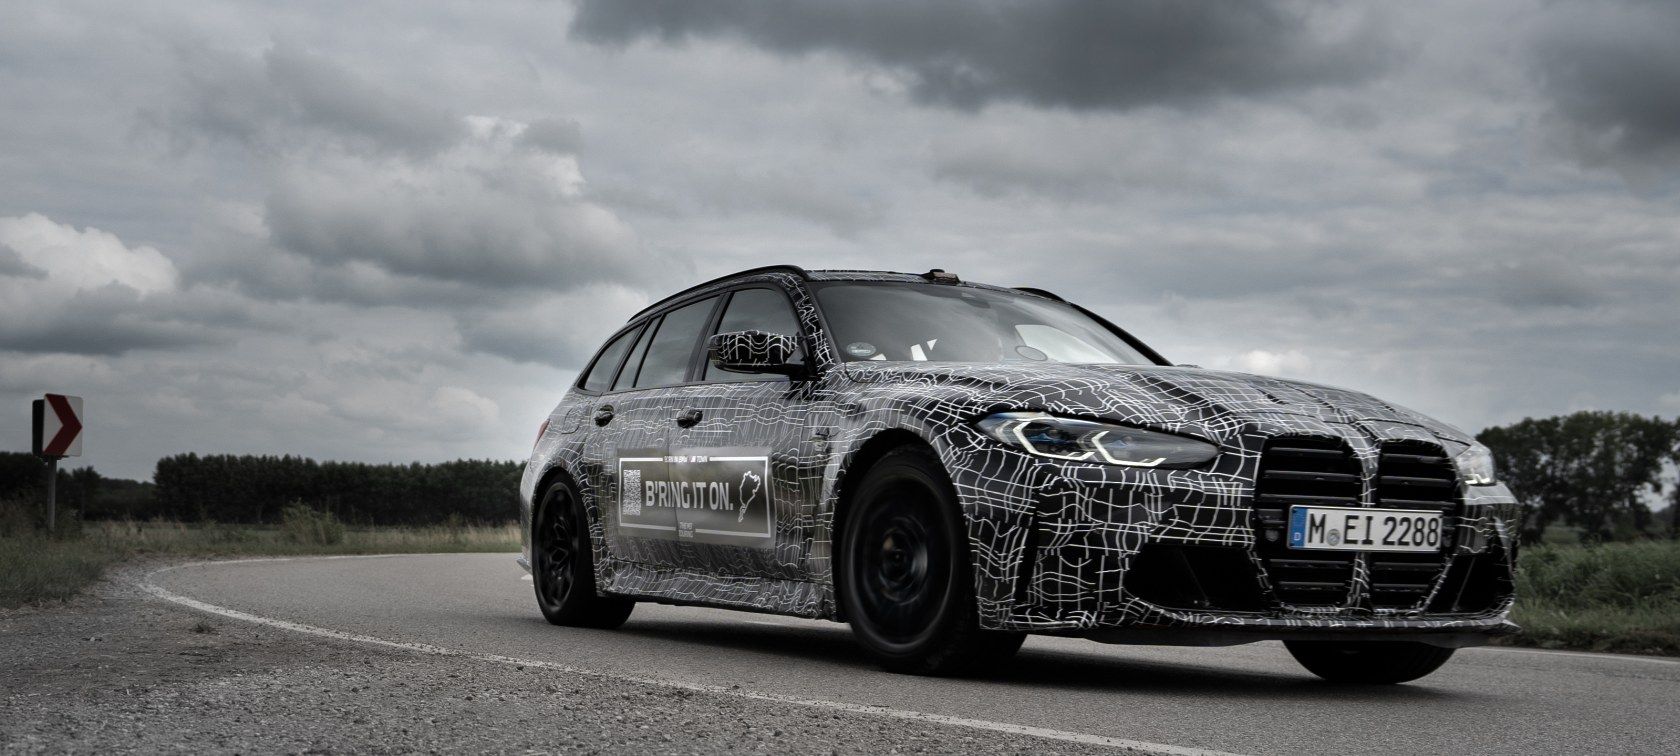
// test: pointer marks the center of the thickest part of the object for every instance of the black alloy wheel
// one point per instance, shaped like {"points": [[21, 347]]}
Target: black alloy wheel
{"points": [[563, 566], [906, 583]]}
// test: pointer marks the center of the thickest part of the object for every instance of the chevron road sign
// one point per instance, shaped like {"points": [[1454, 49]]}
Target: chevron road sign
{"points": [[58, 434], [58, 426]]}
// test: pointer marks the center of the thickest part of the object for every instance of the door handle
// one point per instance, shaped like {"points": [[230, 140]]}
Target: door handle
{"points": [[687, 418], [603, 414]]}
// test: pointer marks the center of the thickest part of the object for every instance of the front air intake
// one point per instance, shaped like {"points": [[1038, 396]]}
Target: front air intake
{"points": [[1310, 471], [1413, 475]]}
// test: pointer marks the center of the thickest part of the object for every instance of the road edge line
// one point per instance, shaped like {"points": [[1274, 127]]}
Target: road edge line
{"points": [[1139, 746]]}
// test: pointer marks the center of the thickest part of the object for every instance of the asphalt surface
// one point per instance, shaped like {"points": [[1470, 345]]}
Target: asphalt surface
{"points": [[1246, 699]]}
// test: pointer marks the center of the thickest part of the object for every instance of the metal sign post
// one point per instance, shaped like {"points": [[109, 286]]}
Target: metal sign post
{"points": [[58, 434], [52, 494]]}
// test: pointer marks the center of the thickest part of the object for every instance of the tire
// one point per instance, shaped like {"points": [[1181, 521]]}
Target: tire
{"points": [[1373, 663], [563, 566], [906, 583]]}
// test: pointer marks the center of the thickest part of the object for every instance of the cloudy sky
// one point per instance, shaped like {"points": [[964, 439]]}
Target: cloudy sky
{"points": [[382, 232]]}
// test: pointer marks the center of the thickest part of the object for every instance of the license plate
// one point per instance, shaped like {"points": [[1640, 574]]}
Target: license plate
{"points": [[1340, 529]]}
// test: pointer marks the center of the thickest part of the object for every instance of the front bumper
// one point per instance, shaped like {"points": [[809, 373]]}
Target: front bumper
{"points": [[1446, 635], [1138, 555]]}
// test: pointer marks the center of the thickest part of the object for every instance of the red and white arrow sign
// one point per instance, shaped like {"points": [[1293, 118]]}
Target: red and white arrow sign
{"points": [[58, 426]]}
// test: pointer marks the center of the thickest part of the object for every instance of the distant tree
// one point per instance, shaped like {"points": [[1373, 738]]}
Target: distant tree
{"points": [[227, 488], [1587, 469], [82, 490], [1674, 495], [21, 475]]}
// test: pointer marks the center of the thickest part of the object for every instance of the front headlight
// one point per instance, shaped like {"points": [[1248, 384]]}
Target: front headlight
{"points": [[1064, 438], [1475, 465]]}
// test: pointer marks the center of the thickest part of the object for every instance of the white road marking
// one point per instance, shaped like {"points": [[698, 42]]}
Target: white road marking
{"points": [[526, 578], [881, 711], [1581, 654]]}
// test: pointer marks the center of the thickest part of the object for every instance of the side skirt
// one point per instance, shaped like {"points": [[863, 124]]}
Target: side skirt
{"points": [[642, 582]]}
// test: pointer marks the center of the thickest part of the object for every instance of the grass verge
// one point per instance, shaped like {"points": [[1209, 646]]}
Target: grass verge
{"points": [[36, 569], [1617, 597]]}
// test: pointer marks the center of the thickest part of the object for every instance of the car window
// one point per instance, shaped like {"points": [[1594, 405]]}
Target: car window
{"points": [[672, 346], [627, 376], [755, 310], [1059, 345], [599, 376], [942, 323]]}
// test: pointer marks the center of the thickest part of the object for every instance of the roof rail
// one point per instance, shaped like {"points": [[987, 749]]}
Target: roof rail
{"points": [[1040, 292], [794, 269]]}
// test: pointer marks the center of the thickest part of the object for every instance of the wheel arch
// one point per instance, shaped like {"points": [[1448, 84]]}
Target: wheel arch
{"points": [[865, 457], [554, 474], [857, 465]]}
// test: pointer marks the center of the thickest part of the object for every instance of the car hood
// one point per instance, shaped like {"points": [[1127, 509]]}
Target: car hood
{"points": [[1176, 398]]}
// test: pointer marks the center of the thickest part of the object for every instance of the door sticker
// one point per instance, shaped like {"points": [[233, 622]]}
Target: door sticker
{"points": [[716, 496]]}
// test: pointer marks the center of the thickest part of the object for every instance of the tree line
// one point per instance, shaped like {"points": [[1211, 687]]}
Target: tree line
{"points": [[255, 489], [23, 481], [1595, 474]]}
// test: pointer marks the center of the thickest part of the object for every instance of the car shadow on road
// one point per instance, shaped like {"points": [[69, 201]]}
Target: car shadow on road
{"points": [[1070, 670], [1049, 669]]}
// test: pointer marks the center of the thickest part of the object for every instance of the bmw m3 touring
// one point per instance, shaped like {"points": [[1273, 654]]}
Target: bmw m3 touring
{"points": [[949, 466]]}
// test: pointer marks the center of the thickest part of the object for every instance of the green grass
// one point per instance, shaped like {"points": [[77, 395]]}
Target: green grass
{"points": [[35, 569], [1621, 597], [177, 539]]}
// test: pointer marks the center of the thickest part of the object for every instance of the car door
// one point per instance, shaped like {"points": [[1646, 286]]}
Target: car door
{"points": [[748, 443], [589, 416], [635, 421]]}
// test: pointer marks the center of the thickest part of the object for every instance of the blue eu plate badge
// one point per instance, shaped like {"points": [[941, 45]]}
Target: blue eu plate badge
{"points": [[1297, 527]]}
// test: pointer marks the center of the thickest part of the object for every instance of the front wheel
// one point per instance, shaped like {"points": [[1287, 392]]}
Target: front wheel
{"points": [[1377, 663], [906, 583], [563, 565]]}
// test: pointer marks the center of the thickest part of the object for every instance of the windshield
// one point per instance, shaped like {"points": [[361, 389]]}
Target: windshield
{"points": [[942, 323]]}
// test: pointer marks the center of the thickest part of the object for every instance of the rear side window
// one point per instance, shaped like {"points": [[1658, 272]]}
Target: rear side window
{"points": [[672, 347], [755, 310], [601, 371], [627, 376]]}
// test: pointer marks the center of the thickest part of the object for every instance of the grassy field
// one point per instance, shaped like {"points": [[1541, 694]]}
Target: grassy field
{"points": [[36, 569], [1622, 597]]}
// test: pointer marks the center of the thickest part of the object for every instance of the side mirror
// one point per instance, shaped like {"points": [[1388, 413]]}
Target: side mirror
{"points": [[754, 352]]}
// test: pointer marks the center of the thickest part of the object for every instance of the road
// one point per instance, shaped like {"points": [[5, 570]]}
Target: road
{"points": [[1247, 699]]}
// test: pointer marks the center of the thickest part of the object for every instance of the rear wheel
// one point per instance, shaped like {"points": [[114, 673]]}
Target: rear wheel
{"points": [[906, 582], [1380, 663], [563, 566]]}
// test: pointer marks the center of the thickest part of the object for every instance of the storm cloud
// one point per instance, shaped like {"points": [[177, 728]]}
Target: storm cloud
{"points": [[1083, 54], [288, 97], [358, 174], [1613, 71], [484, 213], [12, 264]]}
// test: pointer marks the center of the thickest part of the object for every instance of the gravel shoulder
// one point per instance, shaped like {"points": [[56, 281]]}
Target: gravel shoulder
{"points": [[118, 671]]}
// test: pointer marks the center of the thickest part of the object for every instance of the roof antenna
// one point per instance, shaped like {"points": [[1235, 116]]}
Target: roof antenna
{"points": [[938, 275]]}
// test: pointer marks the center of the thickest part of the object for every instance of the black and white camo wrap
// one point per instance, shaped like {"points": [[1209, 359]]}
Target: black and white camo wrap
{"points": [[752, 348], [1087, 520]]}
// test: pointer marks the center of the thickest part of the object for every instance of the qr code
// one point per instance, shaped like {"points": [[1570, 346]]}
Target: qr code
{"points": [[630, 493]]}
